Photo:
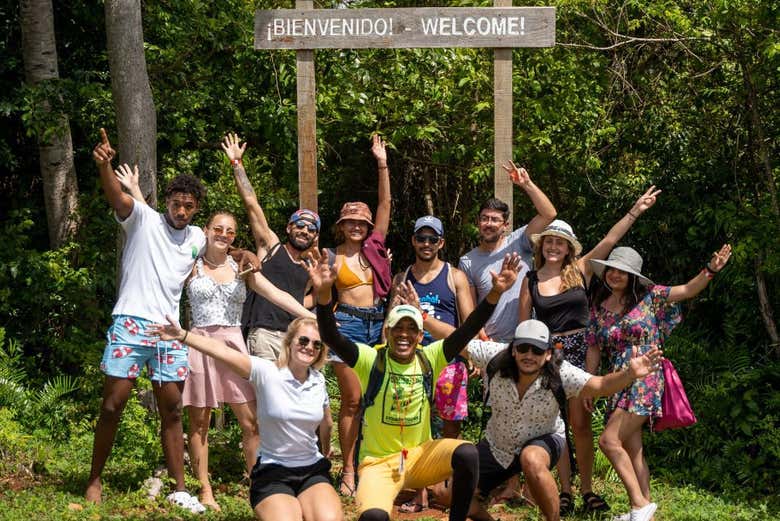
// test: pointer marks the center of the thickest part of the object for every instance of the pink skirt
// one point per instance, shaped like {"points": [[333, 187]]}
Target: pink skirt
{"points": [[210, 381]]}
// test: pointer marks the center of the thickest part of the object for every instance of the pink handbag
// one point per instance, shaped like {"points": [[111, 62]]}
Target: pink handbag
{"points": [[674, 403]]}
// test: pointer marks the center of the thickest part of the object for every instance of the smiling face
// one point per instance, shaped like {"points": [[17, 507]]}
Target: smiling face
{"points": [[529, 363], [354, 230], [492, 225], [181, 209], [302, 234], [423, 243], [220, 232], [554, 248], [616, 279], [403, 338], [308, 354]]}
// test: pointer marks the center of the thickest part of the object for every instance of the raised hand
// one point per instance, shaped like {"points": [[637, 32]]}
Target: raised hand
{"points": [[378, 149], [233, 147], [129, 178], [409, 295], [641, 366], [720, 258], [321, 273], [169, 331], [247, 261], [504, 279], [645, 201], [518, 175], [103, 153]]}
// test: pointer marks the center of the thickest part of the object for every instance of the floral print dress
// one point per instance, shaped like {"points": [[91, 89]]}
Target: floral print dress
{"points": [[648, 324]]}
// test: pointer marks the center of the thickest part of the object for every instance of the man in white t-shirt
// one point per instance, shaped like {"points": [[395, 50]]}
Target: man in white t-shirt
{"points": [[494, 243], [525, 431], [159, 253]]}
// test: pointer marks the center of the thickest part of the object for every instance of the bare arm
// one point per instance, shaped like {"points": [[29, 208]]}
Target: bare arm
{"points": [[382, 223], [282, 299], [695, 286], [265, 238], [545, 211], [326, 429], [119, 201], [238, 362], [525, 301], [638, 367], [602, 249]]}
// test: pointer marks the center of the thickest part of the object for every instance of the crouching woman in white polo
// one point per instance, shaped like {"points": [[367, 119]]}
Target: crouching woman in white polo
{"points": [[525, 431], [290, 480]]}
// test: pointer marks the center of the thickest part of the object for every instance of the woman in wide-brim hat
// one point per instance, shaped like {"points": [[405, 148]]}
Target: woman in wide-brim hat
{"points": [[364, 278], [556, 291], [630, 313]]}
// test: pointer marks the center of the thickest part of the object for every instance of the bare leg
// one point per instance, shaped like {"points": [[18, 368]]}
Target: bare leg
{"points": [[320, 503], [622, 426], [116, 391], [168, 395], [536, 467], [633, 445], [564, 470], [279, 507], [246, 414], [200, 418], [579, 418], [451, 429], [349, 385]]}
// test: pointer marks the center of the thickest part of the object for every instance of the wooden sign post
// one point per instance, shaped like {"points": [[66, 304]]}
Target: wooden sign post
{"points": [[502, 27]]}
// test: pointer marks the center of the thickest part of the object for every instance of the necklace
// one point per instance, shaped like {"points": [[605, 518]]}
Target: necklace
{"points": [[365, 266], [214, 264]]}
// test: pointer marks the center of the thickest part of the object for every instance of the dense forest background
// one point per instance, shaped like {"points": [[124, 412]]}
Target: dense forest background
{"points": [[682, 95]]}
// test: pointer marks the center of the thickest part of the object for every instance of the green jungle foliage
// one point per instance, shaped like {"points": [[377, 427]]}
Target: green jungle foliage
{"points": [[683, 95]]}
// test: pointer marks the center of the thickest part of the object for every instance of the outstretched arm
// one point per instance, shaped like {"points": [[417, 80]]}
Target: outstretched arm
{"points": [[602, 249], [323, 276], [237, 361], [265, 238], [128, 178], [119, 201], [695, 286], [545, 211], [502, 281], [276, 296], [638, 367], [382, 223]]}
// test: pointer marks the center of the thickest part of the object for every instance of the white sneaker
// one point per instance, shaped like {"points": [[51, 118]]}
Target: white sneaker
{"points": [[643, 514], [622, 517], [183, 499]]}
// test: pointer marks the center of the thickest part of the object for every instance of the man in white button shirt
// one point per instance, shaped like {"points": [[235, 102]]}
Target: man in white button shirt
{"points": [[525, 431]]}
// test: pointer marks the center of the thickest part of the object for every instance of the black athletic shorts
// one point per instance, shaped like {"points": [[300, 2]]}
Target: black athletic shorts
{"points": [[492, 474], [273, 478]]}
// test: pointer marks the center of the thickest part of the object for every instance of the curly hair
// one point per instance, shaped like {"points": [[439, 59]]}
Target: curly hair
{"points": [[186, 184]]}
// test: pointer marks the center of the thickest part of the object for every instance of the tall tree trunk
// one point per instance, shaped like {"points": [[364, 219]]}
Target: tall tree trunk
{"points": [[135, 112], [55, 147]]}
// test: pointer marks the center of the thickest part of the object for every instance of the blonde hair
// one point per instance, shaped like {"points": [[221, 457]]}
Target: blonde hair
{"points": [[571, 277], [291, 336]]}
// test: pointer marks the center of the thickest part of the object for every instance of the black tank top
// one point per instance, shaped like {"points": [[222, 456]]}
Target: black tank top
{"points": [[562, 312], [287, 276]]}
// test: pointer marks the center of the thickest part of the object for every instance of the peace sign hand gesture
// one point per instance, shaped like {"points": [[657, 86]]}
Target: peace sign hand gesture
{"points": [[518, 175], [645, 201]]}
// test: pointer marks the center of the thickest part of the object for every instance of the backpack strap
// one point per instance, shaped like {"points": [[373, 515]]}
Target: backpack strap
{"points": [[490, 372]]}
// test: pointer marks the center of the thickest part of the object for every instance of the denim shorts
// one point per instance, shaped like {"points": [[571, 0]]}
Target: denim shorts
{"points": [[360, 325], [128, 349]]}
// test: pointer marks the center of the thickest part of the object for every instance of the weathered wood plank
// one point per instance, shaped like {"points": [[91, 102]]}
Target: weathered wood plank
{"points": [[307, 123], [502, 120], [430, 27]]}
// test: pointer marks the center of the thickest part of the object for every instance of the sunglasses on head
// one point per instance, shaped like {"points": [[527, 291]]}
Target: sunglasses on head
{"points": [[301, 224], [220, 230], [303, 341], [522, 349], [422, 239]]}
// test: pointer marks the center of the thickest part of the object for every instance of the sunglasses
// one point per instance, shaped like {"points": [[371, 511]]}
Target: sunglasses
{"points": [[220, 230], [522, 349], [303, 341], [422, 239], [301, 224]]}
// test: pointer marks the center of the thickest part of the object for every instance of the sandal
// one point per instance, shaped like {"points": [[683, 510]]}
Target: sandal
{"points": [[566, 504], [594, 503], [411, 507], [345, 489]]}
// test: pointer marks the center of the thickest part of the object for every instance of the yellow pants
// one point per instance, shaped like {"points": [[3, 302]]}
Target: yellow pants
{"points": [[380, 480]]}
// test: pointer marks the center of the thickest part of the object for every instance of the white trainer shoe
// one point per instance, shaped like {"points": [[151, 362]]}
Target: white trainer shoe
{"points": [[645, 513], [183, 499]]}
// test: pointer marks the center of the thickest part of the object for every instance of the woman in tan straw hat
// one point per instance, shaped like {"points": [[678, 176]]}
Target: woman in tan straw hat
{"points": [[556, 291], [630, 316], [363, 281]]}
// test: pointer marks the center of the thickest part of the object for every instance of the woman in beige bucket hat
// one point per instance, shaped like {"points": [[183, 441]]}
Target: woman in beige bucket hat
{"points": [[556, 291]]}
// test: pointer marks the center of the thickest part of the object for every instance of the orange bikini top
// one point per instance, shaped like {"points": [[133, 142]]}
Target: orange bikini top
{"points": [[347, 279]]}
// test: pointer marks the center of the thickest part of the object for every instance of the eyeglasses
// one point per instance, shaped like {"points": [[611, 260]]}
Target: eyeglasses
{"points": [[301, 224], [422, 239], [522, 349], [303, 341], [220, 230], [491, 219]]}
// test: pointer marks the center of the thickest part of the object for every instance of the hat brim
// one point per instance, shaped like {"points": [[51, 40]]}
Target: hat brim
{"points": [[537, 237], [355, 218], [531, 341], [599, 266]]}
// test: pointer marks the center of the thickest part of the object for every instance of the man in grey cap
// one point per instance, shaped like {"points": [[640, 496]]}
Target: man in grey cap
{"points": [[525, 431]]}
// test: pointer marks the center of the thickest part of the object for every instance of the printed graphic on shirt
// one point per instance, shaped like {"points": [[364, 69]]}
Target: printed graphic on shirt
{"points": [[429, 302], [402, 399]]}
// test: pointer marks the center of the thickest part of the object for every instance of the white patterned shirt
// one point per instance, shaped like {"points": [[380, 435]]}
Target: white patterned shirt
{"points": [[513, 422], [214, 303]]}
